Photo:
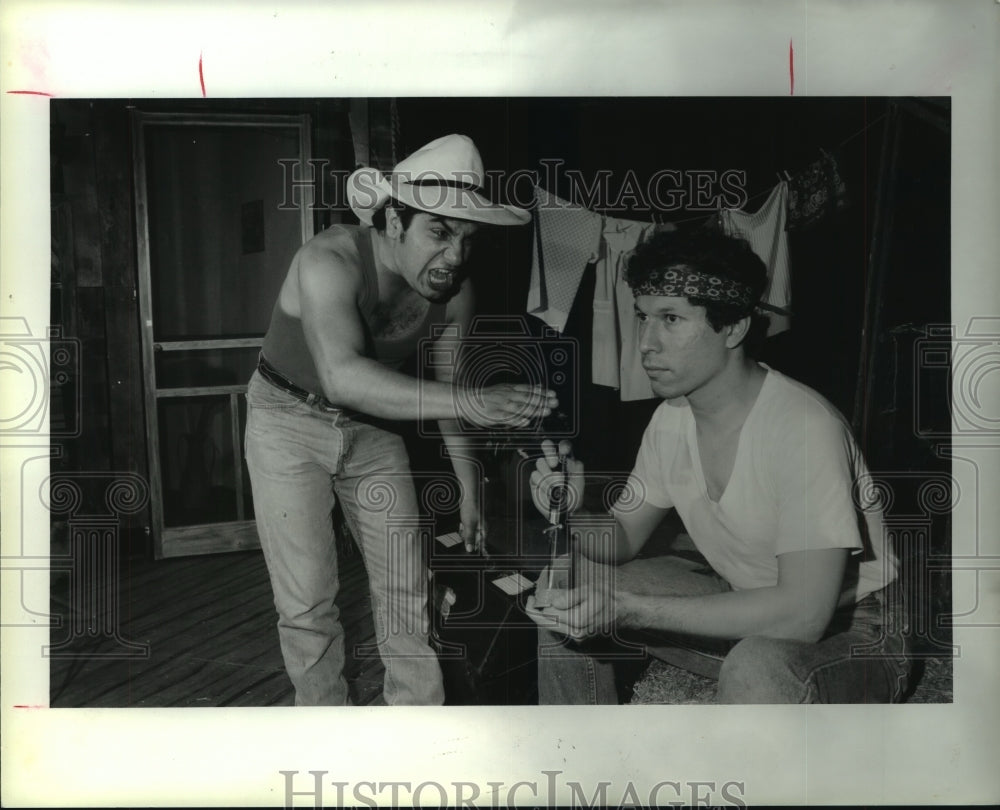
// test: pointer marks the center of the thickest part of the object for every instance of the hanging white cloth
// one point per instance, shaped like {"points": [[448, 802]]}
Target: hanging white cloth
{"points": [[765, 231], [566, 241], [615, 359]]}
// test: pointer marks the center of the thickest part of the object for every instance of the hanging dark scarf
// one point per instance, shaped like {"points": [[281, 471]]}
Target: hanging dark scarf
{"points": [[815, 192]]}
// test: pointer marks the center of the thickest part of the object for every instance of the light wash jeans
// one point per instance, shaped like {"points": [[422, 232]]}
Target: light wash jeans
{"points": [[304, 457], [861, 659]]}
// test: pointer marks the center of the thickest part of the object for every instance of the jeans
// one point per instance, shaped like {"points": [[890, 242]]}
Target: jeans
{"points": [[862, 658], [303, 457]]}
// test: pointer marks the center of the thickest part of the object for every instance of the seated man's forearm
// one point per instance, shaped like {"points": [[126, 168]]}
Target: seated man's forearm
{"points": [[798, 606], [731, 615]]}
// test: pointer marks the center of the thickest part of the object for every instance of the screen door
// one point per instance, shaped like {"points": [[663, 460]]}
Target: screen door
{"points": [[220, 211]]}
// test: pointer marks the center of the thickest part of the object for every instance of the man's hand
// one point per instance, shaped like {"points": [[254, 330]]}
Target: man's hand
{"points": [[556, 577], [472, 527], [506, 405], [588, 610], [547, 476]]}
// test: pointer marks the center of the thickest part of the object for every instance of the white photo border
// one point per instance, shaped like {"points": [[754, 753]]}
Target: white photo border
{"points": [[937, 754]]}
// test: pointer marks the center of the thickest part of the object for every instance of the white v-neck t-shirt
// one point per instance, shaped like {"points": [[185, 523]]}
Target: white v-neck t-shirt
{"points": [[798, 482]]}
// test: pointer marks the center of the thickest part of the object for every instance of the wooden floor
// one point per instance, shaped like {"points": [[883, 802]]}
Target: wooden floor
{"points": [[210, 626]]}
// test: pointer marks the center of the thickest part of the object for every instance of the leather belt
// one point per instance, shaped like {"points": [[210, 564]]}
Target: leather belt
{"points": [[278, 380]]}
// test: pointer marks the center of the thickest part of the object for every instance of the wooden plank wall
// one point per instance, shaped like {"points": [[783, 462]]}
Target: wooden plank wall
{"points": [[90, 176], [116, 238]]}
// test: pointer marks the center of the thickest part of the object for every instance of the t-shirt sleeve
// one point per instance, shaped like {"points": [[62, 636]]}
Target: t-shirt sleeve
{"points": [[646, 481], [815, 481]]}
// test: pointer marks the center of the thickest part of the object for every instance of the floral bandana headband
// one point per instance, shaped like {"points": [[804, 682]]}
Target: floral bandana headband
{"points": [[680, 282]]}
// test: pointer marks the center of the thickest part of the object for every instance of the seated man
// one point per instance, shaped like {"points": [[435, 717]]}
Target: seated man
{"points": [[768, 482]]}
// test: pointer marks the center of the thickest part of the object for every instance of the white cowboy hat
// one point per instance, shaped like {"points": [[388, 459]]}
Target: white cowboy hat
{"points": [[444, 177]]}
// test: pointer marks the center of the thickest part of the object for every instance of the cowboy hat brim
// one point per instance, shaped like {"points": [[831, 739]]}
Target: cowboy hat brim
{"points": [[368, 190], [458, 203]]}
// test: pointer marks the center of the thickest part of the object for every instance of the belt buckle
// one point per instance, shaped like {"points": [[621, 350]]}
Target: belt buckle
{"points": [[326, 406]]}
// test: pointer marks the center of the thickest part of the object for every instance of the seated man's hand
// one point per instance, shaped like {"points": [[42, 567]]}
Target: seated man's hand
{"points": [[581, 612], [554, 578], [546, 477]]}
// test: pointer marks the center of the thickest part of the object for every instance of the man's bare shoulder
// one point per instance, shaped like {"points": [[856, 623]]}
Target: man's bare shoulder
{"points": [[326, 266], [334, 248]]}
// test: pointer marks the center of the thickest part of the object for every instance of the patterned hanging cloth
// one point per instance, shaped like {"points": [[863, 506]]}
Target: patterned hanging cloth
{"points": [[815, 192]]}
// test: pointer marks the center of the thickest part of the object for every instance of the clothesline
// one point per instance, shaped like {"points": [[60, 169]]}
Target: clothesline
{"points": [[574, 237], [762, 194], [570, 238]]}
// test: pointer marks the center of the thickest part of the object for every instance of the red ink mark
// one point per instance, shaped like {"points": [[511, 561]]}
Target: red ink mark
{"points": [[28, 93], [791, 68], [201, 76], [29, 707]]}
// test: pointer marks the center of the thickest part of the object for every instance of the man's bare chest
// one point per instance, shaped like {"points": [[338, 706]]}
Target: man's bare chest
{"points": [[399, 317]]}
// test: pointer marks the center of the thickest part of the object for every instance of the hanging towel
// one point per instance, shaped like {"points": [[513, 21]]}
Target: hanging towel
{"points": [[616, 361], [567, 239], [765, 231]]}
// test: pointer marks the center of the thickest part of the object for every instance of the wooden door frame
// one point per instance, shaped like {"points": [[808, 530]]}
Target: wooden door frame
{"points": [[214, 537]]}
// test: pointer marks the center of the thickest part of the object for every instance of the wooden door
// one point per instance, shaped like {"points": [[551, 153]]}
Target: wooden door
{"points": [[219, 214]]}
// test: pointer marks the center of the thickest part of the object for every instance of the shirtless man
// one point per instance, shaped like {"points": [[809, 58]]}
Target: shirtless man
{"points": [[355, 304]]}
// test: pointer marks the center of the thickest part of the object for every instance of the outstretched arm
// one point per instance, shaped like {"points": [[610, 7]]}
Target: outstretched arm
{"points": [[329, 283], [472, 527]]}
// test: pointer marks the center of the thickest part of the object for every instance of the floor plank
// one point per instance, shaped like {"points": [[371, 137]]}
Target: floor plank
{"points": [[210, 625]]}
